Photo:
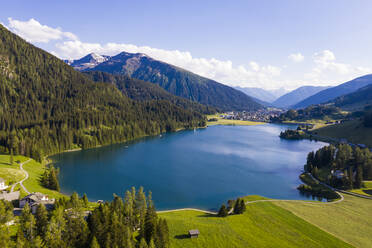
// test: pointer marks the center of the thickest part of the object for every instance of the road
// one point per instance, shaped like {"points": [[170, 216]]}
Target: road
{"points": [[24, 179]]}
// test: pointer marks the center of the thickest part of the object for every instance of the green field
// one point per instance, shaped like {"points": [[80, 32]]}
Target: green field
{"points": [[221, 121], [34, 169], [349, 220], [366, 190], [353, 131], [263, 225], [11, 173]]}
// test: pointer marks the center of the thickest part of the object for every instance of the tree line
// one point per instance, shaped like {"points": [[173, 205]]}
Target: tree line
{"points": [[129, 222], [340, 166], [47, 107]]}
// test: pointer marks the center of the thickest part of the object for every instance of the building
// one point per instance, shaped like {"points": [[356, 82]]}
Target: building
{"points": [[34, 199], [2, 184], [194, 233], [9, 196], [338, 174]]}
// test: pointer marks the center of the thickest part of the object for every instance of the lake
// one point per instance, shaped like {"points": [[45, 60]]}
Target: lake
{"points": [[202, 168]]}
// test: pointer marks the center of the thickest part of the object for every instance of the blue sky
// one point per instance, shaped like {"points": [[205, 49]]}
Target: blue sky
{"points": [[269, 44]]}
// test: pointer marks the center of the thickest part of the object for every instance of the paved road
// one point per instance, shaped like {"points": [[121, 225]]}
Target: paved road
{"points": [[24, 179]]}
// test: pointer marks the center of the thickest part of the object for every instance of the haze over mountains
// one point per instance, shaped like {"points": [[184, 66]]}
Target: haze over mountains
{"points": [[175, 80], [297, 95], [337, 91]]}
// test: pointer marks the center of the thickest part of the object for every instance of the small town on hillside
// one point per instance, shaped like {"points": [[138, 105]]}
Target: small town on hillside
{"points": [[262, 115]]}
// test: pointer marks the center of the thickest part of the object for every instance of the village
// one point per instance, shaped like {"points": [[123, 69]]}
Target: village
{"points": [[262, 115]]}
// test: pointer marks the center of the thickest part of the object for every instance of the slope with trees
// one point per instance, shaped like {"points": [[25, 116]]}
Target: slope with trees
{"points": [[331, 93], [177, 81], [47, 107], [297, 95]]}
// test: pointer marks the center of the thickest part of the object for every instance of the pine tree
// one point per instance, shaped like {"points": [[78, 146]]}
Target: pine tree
{"points": [[242, 206], [223, 211], [5, 240], [143, 243], [41, 217], [359, 177], [28, 224], [94, 243], [85, 200], [237, 207]]}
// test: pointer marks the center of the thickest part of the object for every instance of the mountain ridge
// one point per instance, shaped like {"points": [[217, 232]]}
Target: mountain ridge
{"points": [[334, 92], [177, 81]]}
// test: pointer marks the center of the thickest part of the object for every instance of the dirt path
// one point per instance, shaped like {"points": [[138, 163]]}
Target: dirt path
{"points": [[24, 179]]}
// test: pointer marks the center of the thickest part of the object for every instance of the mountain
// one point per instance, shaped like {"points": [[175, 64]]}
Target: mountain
{"points": [[143, 91], [46, 106], [356, 100], [89, 61], [297, 95], [258, 93], [331, 93], [175, 80]]}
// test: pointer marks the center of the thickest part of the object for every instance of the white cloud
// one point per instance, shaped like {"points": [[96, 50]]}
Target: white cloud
{"points": [[327, 70], [324, 68], [33, 31], [296, 57]]}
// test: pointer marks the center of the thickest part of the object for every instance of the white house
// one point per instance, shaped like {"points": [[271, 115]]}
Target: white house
{"points": [[2, 184]]}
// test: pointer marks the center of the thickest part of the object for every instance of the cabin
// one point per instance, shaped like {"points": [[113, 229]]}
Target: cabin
{"points": [[2, 184], [338, 174], [194, 233], [35, 199]]}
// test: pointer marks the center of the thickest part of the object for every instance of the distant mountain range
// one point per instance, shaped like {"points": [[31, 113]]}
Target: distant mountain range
{"points": [[297, 95], [260, 94], [173, 79], [337, 91]]}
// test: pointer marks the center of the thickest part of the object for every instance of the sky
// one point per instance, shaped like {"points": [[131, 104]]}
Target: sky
{"points": [[269, 44]]}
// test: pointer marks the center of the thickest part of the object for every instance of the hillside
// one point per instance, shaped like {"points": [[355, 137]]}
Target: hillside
{"points": [[331, 93], [47, 106], [297, 95], [143, 91], [354, 131], [262, 225], [356, 100], [177, 81]]}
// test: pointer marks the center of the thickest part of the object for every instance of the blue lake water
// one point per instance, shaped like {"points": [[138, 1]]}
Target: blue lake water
{"points": [[202, 168]]}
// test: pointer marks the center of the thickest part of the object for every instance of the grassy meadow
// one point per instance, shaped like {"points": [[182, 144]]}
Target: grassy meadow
{"points": [[264, 224], [353, 131], [349, 220], [221, 121], [13, 173]]}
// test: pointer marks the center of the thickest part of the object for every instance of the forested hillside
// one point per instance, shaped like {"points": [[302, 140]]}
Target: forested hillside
{"points": [[177, 81], [144, 91], [331, 93], [46, 106], [356, 100]]}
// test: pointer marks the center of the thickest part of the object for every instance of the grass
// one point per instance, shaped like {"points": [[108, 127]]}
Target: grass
{"points": [[262, 225], [349, 220], [221, 121], [32, 184], [366, 190], [11, 173], [353, 131]]}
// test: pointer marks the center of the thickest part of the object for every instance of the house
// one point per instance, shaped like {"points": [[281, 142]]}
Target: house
{"points": [[194, 233], [9, 196], [338, 174], [2, 184], [34, 199]]}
